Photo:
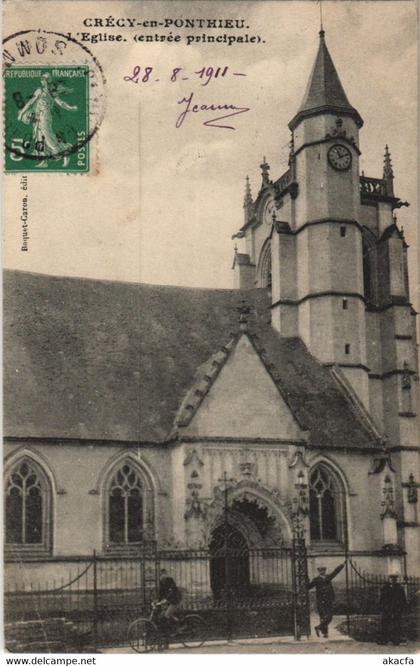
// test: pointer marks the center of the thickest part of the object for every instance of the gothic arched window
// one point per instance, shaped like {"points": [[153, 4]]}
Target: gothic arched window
{"points": [[267, 271], [265, 267], [126, 506], [28, 498], [369, 266], [326, 505]]}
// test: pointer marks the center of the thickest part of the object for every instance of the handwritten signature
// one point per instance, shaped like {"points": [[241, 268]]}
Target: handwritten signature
{"points": [[190, 107]]}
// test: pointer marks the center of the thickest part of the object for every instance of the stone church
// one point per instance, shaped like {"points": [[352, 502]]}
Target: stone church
{"points": [[130, 410]]}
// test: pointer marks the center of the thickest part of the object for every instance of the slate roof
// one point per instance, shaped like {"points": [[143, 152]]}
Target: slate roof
{"points": [[92, 359], [324, 90]]}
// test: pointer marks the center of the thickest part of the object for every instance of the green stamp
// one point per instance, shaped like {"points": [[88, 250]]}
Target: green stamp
{"points": [[46, 118]]}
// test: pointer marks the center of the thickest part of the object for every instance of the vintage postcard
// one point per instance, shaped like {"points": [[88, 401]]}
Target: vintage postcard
{"points": [[211, 380]]}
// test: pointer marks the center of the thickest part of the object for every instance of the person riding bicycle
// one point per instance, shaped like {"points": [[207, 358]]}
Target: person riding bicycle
{"points": [[162, 625], [169, 598]]}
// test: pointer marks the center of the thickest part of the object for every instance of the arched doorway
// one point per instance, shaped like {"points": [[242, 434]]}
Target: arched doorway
{"points": [[239, 541], [255, 572], [229, 561]]}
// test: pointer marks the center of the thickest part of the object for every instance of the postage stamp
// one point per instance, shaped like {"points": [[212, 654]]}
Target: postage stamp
{"points": [[46, 118], [54, 102]]}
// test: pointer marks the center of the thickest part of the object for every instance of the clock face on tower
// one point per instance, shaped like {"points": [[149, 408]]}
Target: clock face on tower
{"points": [[339, 157], [269, 210]]}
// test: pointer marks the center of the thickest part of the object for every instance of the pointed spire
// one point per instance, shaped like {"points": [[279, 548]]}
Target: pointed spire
{"points": [[292, 158], [291, 148], [324, 92], [265, 168], [248, 194], [248, 204], [388, 174]]}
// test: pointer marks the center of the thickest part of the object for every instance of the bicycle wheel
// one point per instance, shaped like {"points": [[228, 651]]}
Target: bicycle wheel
{"points": [[193, 631], [142, 635]]}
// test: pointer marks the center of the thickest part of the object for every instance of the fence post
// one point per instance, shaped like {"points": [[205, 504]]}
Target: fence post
{"points": [[405, 564], [157, 569], [347, 586], [95, 601], [143, 575], [295, 593], [346, 555], [227, 564]]}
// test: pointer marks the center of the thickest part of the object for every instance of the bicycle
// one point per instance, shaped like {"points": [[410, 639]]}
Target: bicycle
{"points": [[146, 635]]}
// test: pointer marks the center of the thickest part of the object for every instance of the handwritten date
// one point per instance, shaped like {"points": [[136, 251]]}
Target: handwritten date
{"points": [[141, 74]]}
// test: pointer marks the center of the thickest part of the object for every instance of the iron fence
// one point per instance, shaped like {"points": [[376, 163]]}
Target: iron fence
{"points": [[365, 590], [365, 605], [73, 599], [239, 591]]}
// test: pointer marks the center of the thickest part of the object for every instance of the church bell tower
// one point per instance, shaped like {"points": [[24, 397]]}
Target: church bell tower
{"points": [[325, 221], [324, 240]]}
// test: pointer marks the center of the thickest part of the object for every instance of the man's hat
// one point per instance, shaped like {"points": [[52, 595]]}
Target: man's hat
{"points": [[322, 569]]}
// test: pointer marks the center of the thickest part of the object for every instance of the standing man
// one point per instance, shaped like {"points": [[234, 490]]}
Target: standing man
{"points": [[324, 597], [393, 605]]}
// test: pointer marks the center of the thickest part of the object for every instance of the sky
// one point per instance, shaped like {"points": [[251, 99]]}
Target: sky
{"points": [[161, 203]]}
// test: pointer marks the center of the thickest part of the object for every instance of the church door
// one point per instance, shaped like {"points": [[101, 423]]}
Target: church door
{"points": [[229, 562]]}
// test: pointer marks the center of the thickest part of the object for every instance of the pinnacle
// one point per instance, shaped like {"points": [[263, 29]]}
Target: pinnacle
{"points": [[248, 193], [388, 173]]}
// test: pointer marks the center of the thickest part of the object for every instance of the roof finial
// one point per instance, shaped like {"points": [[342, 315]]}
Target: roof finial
{"points": [[387, 163], [291, 147], [244, 310], [265, 168], [388, 174], [248, 193], [321, 31], [292, 158]]}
